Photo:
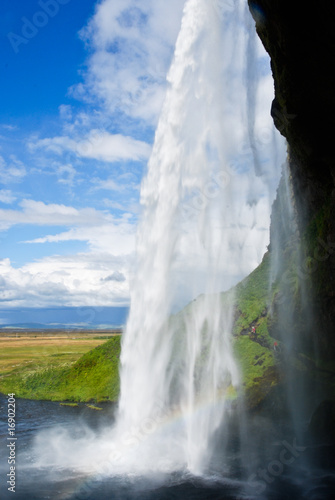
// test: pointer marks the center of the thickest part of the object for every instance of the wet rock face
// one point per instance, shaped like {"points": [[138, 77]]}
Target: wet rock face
{"points": [[300, 39], [322, 424]]}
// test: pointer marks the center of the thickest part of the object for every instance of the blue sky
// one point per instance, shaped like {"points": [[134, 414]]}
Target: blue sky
{"points": [[82, 84]]}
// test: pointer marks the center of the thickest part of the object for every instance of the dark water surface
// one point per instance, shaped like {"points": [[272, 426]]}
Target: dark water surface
{"points": [[294, 481]]}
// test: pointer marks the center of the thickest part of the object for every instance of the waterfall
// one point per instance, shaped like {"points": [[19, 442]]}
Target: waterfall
{"points": [[205, 218], [182, 429]]}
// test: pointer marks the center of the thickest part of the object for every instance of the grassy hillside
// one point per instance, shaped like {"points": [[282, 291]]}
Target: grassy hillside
{"points": [[254, 351], [28, 351], [94, 377]]}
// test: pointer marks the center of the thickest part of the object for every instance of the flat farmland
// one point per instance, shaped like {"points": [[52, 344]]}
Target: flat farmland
{"points": [[23, 351]]}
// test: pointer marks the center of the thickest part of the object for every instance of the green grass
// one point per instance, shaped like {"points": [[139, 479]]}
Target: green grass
{"points": [[94, 377], [93, 407], [29, 354], [252, 296], [254, 353], [253, 359], [257, 365]]}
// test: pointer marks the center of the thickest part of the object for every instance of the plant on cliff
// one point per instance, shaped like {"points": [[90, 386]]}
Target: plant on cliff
{"points": [[254, 351]]}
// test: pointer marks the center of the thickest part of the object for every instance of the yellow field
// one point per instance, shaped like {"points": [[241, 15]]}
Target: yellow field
{"points": [[25, 350]]}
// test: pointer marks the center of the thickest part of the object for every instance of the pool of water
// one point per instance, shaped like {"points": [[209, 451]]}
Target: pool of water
{"points": [[287, 470]]}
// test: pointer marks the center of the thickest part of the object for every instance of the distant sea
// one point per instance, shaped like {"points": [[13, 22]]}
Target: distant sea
{"points": [[89, 317]]}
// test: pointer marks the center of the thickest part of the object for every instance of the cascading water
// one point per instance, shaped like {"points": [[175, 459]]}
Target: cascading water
{"points": [[203, 227]]}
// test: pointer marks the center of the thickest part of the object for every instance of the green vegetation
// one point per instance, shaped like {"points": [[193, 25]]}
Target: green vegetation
{"points": [[30, 353], [254, 352], [252, 297], [253, 358], [93, 407], [258, 369], [94, 377]]}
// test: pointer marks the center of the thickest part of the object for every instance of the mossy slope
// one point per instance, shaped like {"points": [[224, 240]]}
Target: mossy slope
{"points": [[254, 351]]}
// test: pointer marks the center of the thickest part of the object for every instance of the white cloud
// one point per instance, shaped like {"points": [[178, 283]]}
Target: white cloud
{"points": [[118, 183], [66, 281], [6, 196], [39, 213], [111, 148], [98, 277], [99, 145], [102, 231], [134, 43], [108, 185], [116, 276], [66, 174], [131, 205], [11, 171], [9, 127], [56, 145], [65, 112], [117, 238]]}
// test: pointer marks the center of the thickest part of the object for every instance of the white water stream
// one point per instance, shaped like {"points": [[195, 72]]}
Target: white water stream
{"points": [[206, 205]]}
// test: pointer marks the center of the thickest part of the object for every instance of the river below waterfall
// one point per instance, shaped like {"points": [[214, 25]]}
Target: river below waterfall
{"points": [[286, 472]]}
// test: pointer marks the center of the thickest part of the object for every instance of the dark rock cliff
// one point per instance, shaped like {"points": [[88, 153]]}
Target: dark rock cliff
{"points": [[300, 39]]}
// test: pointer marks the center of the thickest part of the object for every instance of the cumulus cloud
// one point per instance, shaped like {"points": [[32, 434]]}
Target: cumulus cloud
{"points": [[99, 145], [117, 237], [66, 174], [6, 196], [117, 183], [111, 148], [65, 112], [134, 43], [11, 171], [108, 185], [100, 230], [9, 127], [116, 276], [40, 213], [65, 281]]}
